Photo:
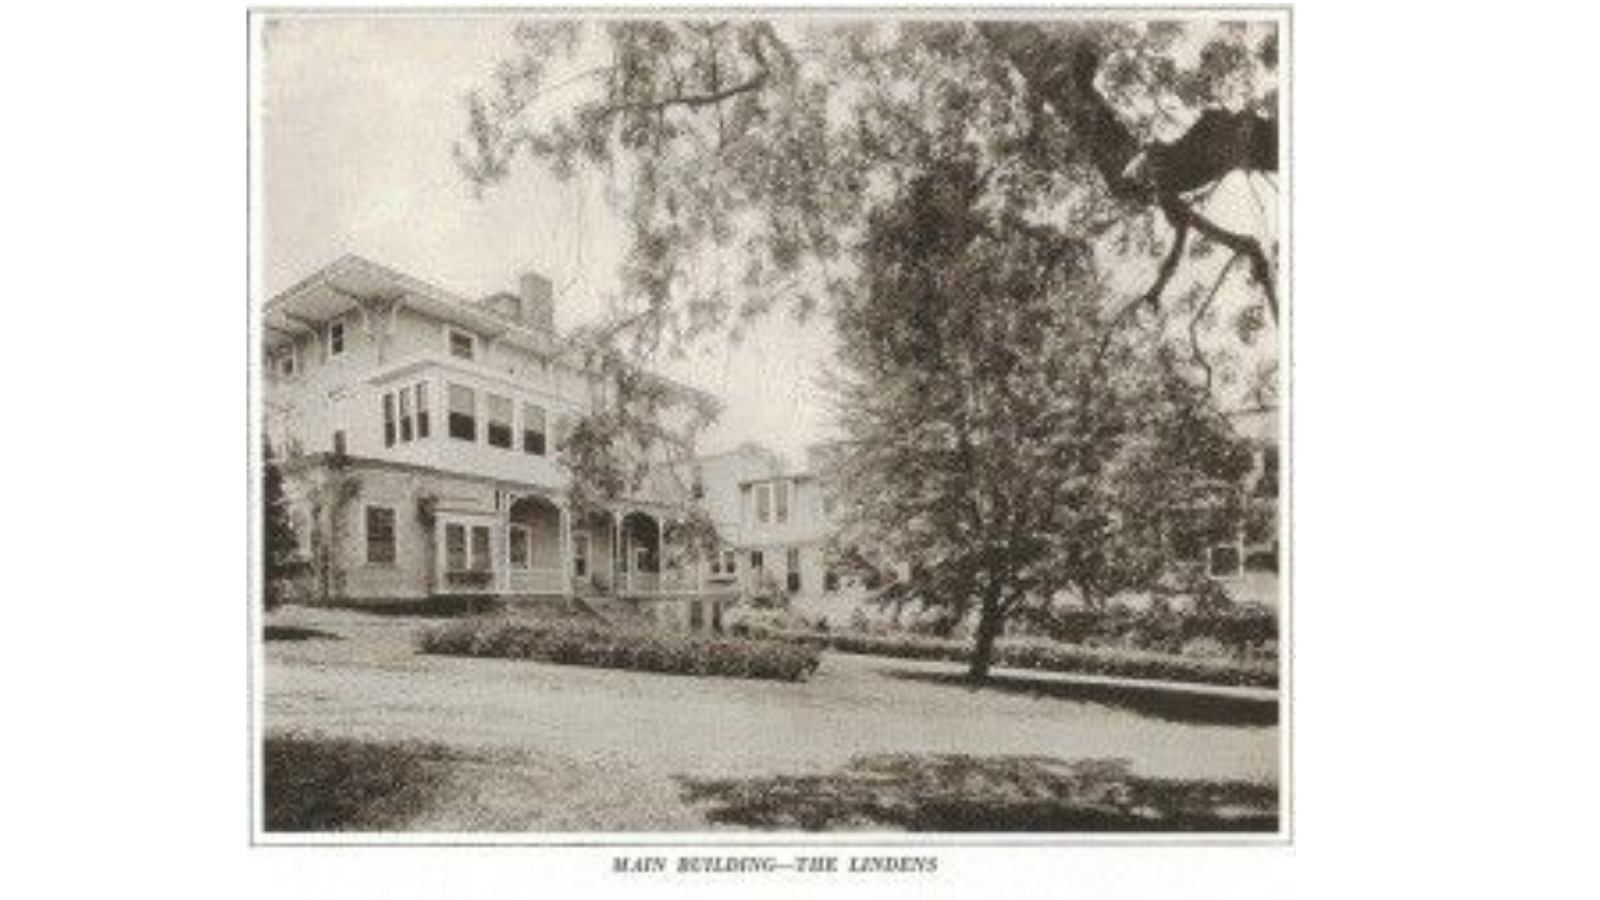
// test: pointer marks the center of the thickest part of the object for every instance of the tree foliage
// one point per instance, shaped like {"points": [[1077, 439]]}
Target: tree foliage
{"points": [[280, 548]]}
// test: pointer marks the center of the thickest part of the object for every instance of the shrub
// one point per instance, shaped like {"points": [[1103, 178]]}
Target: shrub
{"points": [[1051, 656], [317, 783], [586, 644]]}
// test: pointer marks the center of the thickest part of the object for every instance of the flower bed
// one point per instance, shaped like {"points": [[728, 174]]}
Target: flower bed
{"points": [[583, 644]]}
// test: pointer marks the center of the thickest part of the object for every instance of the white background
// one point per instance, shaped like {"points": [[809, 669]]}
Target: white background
{"points": [[1445, 487]]}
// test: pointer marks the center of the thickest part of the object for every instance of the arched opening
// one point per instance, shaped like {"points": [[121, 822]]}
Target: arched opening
{"points": [[639, 559], [533, 546]]}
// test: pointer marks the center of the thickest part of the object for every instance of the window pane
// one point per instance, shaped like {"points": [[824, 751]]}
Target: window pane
{"points": [[480, 548], [533, 429], [463, 413], [422, 410], [455, 547], [388, 420], [380, 534], [499, 421], [462, 345], [580, 555], [782, 490], [763, 503]]}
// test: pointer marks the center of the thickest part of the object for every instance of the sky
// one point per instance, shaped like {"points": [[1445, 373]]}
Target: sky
{"points": [[358, 117]]}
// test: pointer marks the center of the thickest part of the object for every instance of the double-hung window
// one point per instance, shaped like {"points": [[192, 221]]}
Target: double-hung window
{"points": [[792, 570], [380, 534], [421, 389], [336, 336], [466, 547], [499, 421], [781, 491], [763, 503], [388, 420], [463, 413], [533, 440], [580, 554], [405, 415]]}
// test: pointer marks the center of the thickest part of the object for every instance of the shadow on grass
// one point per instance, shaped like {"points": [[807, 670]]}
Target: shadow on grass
{"points": [[960, 793], [296, 633], [1168, 703], [315, 783]]}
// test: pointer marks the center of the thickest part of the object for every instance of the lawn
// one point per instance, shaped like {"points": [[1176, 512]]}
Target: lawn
{"points": [[453, 744]]}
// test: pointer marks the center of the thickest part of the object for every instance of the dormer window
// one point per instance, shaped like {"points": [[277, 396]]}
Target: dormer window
{"points": [[336, 337], [462, 344]]}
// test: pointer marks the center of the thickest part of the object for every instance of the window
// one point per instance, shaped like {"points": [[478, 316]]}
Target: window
{"points": [[580, 554], [338, 443], [757, 561], [421, 390], [830, 581], [380, 534], [730, 562], [763, 503], [1224, 561], [499, 421], [533, 429], [455, 547], [287, 362], [463, 345], [480, 548], [463, 413], [781, 489], [405, 416], [388, 420], [336, 337], [830, 503], [521, 547], [792, 564]]}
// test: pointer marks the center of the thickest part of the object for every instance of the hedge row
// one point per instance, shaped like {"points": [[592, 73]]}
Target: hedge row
{"points": [[1237, 628], [1048, 656], [584, 644]]}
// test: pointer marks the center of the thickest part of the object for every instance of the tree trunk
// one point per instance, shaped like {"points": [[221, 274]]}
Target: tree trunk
{"points": [[989, 622]]}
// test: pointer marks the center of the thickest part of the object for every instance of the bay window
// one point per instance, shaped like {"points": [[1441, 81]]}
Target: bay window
{"points": [[499, 421], [533, 441]]}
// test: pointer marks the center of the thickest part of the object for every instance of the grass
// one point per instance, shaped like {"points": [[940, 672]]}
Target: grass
{"points": [[1050, 656], [316, 783], [588, 644], [295, 633], [965, 793]]}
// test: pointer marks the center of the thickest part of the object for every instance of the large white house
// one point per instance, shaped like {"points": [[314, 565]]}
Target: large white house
{"points": [[418, 433]]}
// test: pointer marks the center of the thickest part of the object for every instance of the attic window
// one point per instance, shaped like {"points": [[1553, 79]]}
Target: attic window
{"points": [[336, 337], [463, 345]]}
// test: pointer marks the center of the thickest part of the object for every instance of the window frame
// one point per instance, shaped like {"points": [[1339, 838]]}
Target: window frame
{"points": [[792, 580], [763, 491], [490, 421], [337, 322], [475, 347], [580, 558], [391, 428], [450, 412], [420, 405], [542, 434], [367, 510]]}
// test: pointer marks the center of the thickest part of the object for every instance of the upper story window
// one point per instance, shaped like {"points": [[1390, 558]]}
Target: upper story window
{"points": [[533, 429], [462, 344], [463, 413], [336, 337], [287, 362], [388, 420], [405, 414], [499, 421], [763, 503], [380, 534], [781, 492], [420, 389]]}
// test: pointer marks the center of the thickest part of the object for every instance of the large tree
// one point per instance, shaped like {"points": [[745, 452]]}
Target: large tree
{"points": [[1017, 386], [993, 445]]}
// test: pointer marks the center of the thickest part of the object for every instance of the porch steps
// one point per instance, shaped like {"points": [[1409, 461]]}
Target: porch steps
{"points": [[549, 608]]}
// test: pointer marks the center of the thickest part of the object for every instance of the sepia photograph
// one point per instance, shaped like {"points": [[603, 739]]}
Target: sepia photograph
{"points": [[719, 424]]}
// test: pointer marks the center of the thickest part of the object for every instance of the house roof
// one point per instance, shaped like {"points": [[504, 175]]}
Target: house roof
{"points": [[352, 282]]}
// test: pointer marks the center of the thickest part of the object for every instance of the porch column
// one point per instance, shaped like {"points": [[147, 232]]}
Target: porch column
{"points": [[564, 536], [502, 566], [616, 553]]}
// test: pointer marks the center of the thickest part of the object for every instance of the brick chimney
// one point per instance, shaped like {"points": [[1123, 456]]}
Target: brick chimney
{"points": [[538, 302]]}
